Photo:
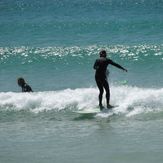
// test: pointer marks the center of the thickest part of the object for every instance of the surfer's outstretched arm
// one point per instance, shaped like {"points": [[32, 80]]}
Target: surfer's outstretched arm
{"points": [[118, 66]]}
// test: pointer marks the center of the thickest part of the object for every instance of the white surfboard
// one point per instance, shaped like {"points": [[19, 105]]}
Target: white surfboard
{"points": [[88, 111], [94, 110]]}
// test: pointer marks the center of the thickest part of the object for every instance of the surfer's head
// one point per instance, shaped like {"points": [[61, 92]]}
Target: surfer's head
{"points": [[21, 81], [103, 53]]}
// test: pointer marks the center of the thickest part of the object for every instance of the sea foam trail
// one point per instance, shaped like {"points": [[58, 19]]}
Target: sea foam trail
{"points": [[130, 100]]}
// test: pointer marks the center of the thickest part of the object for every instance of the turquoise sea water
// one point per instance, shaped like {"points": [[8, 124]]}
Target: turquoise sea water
{"points": [[53, 45]]}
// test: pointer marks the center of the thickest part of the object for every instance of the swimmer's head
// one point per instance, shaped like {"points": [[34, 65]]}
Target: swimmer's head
{"points": [[103, 53], [21, 81]]}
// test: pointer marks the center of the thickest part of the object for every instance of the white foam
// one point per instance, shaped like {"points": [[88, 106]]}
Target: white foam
{"points": [[53, 100], [131, 100]]}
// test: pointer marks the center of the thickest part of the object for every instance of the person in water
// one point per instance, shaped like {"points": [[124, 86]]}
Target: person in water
{"points": [[100, 66], [25, 87]]}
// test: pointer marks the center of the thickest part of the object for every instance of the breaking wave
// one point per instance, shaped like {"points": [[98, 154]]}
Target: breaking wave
{"points": [[130, 100]]}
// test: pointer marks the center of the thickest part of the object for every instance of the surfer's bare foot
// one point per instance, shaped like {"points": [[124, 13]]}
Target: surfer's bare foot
{"points": [[109, 106]]}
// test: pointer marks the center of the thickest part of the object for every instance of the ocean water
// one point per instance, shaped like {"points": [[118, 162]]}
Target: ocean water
{"points": [[53, 44]]}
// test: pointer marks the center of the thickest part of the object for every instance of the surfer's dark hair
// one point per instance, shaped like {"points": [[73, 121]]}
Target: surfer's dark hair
{"points": [[21, 81], [102, 53]]}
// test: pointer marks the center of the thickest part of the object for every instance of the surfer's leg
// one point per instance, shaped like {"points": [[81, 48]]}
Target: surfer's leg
{"points": [[101, 91], [107, 89]]}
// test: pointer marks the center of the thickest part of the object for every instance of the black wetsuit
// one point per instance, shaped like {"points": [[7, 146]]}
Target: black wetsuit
{"points": [[101, 78], [26, 88]]}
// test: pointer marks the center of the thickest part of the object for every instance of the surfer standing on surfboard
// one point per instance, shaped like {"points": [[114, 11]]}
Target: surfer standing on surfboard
{"points": [[100, 66]]}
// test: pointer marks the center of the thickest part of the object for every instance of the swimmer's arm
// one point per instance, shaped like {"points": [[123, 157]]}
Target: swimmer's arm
{"points": [[30, 89], [117, 65]]}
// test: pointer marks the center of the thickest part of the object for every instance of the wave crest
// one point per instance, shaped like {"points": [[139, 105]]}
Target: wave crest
{"points": [[131, 100]]}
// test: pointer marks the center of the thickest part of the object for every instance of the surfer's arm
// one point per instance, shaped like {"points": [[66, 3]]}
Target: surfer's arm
{"points": [[117, 65], [96, 66], [29, 89]]}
